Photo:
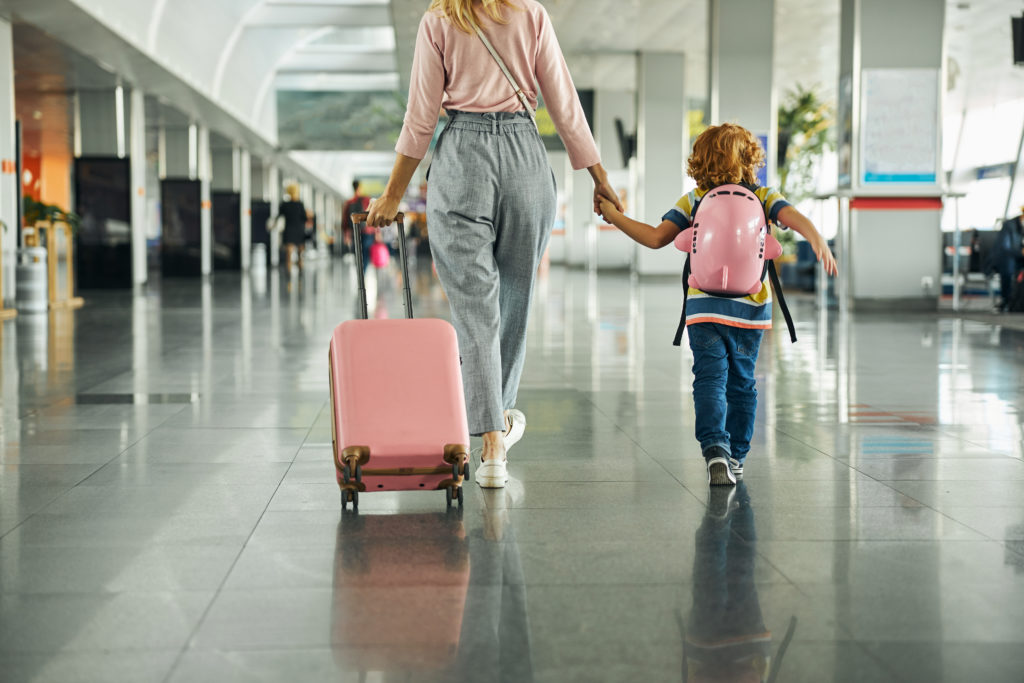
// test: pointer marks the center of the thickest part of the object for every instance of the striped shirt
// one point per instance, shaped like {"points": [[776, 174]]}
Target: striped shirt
{"points": [[753, 311]]}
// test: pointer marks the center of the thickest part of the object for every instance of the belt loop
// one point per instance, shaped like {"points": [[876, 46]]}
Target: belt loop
{"points": [[494, 125]]}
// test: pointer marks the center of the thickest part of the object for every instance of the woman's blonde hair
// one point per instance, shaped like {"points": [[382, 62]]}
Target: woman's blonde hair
{"points": [[461, 12], [292, 190], [725, 154]]}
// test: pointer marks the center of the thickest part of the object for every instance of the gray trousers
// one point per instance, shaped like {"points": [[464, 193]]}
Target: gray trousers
{"points": [[490, 209]]}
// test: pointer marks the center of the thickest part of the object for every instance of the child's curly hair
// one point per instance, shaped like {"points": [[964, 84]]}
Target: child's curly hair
{"points": [[725, 154]]}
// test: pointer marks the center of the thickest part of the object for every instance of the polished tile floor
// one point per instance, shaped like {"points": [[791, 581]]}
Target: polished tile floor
{"points": [[168, 510]]}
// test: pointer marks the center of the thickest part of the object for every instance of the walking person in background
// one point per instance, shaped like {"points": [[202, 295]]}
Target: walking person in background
{"points": [[491, 192], [358, 203], [1008, 255], [296, 219]]}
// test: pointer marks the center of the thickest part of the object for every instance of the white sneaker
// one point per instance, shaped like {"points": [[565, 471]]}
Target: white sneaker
{"points": [[492, 474], [516, 425]]}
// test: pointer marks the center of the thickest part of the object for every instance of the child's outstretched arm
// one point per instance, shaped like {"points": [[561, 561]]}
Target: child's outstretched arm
{"points": [[795, 220], [647, 235]]}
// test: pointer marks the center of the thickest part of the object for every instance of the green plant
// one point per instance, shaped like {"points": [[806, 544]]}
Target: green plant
{"points": [[787, 238], [35, 211], [804, 125]]}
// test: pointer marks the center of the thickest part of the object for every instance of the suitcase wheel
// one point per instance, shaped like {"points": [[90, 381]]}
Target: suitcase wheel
{"points": [[349, 494], [346, 473], [463, 469], [448, 496], [460, 496]]}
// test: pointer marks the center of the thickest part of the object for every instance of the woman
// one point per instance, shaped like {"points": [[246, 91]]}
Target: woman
{"points": [[491, 195], [295, 221]]}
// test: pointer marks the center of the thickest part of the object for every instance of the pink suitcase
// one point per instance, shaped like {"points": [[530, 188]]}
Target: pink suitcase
{"points": [[399, 413]]}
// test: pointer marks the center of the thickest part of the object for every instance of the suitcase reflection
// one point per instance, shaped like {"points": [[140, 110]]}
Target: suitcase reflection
{"points": [[399, 591], [406, 606]]}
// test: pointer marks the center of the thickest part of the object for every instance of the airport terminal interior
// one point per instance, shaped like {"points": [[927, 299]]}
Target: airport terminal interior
{"points": [[169, 508]]}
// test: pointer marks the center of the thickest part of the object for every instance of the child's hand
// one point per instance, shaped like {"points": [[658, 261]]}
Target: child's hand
{"points": [[608, 210], [824, 255]]}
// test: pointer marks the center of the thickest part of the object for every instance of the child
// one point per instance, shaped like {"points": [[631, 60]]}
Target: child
{"points": [[725, 333]]}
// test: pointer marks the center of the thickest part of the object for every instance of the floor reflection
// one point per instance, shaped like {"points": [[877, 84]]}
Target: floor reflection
{"points": [[725, 638], [399, 591], [418, 597]]}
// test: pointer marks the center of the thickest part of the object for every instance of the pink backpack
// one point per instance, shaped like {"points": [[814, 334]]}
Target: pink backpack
{"points": [[730, 248]]}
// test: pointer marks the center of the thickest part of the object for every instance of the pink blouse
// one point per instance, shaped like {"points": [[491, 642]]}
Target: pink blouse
{"points": [[452, 69]]}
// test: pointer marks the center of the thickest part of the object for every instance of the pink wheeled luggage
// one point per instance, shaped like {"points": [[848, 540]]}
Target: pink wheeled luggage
{"points": [[398, 408]]}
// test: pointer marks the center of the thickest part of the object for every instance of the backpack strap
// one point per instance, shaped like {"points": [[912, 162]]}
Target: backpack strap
{"points": [[686, 291], [777, 287]]}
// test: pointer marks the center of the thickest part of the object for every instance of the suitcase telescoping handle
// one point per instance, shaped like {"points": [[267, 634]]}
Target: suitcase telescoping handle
{"points": [[358, 225]]}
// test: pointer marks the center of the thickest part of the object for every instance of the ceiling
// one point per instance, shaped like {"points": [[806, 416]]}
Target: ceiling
{"points": [[237, 53]]}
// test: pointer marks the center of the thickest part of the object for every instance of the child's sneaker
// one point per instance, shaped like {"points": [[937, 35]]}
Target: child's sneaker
{"points": [[719, 470], [737, 468]]}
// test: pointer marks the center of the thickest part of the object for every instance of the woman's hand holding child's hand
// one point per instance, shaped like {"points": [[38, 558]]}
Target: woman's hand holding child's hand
{"points": [[607, 209]]}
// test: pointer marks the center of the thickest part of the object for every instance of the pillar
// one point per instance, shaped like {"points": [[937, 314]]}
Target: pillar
{"points": [[557, 248], [661, 121], [579, 216], [740, 71], [614, 110], [274, 196], [889, 122], [205, 214], [320, 213], [226, 203], [245, 173], [181, 247], [137, 154], [105, 189], [8, 177]]}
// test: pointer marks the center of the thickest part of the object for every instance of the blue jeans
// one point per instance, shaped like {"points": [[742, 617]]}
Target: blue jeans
{"points": [[724, 389]]}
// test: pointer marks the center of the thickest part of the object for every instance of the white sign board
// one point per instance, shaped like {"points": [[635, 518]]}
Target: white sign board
{"points": [[899, 126]]}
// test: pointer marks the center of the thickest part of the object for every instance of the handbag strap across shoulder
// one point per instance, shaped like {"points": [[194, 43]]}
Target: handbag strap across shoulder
{"points": [[504, 69]]}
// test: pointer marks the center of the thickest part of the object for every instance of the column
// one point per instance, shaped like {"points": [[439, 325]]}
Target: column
{"points": [[105, 189], [274, 196], [8, 178], [557, 249], [740, 71], [226, 203], [181, 242], [889, 121], [580, 216], [661, 121], [320, 211], [205, 204], [137, 154], [615, 113], [245, 173]]}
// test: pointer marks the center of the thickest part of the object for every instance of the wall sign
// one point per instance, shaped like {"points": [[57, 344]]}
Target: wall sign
{"points": [[899, 126]]}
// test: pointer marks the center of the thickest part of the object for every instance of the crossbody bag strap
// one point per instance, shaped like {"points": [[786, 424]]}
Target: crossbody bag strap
{"points": [[504, 69]]}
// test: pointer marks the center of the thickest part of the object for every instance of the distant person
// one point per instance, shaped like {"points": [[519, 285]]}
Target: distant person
{"points": [[1008, 256], [724, 333], [491, 192], [358, 204], [975, 258], [296, 219]]}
